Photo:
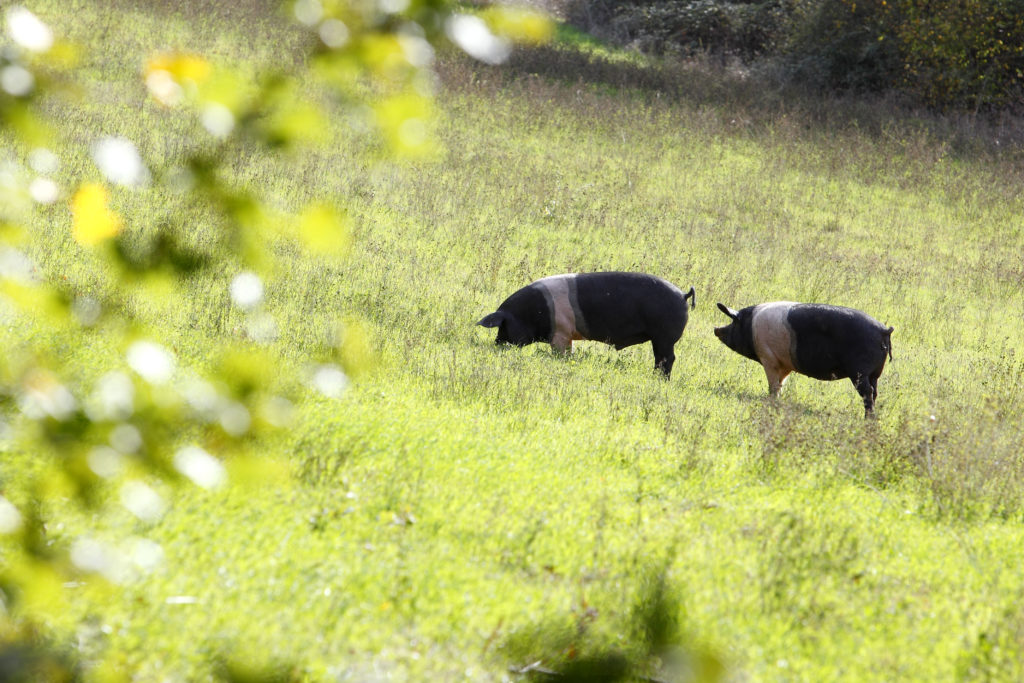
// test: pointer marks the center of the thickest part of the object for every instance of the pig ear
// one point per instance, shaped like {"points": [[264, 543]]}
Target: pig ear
{"points": [[728, 311], [493, 320]]}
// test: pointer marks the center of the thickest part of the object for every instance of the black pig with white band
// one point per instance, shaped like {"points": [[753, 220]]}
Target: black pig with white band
{"points": [[619, 309]]}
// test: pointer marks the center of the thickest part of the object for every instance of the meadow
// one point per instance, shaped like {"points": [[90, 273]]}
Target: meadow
{"points": [[466, 508]]}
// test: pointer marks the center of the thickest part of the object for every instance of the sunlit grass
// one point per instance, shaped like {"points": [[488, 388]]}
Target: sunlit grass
{"points": [[459, 494]]}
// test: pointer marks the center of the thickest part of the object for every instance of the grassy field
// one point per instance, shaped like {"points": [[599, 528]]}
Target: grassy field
{"points": [[466, 508]]}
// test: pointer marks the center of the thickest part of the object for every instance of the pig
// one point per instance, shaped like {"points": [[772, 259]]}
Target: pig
{"points": [[619, 309], [818, 340]]}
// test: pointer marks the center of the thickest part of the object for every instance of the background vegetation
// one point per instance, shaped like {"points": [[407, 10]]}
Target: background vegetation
{"points": [[470, 512], [961, 55]]}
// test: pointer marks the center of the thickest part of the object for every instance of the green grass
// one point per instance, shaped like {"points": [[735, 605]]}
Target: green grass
{"points": [[462, 497]]}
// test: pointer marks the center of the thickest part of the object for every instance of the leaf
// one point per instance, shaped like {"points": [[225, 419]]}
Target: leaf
{"points": [[64, 55], [326, 231], [168, 76], [252, 470], [245, 370], [519, 24], [383, 55], [299, 122], [93, 222], [43, 303], [40, 595], [227, 88], [404, 122], [181, 67], [31, 129], [355, 349]]}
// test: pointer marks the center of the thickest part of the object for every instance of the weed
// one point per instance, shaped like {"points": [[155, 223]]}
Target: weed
{"points": [[973, 470], [658, 647], [804, 564], [997, 653]]}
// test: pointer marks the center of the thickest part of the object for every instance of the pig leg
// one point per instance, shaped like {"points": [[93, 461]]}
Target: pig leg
{"points": [[776, 374], [562, 342], [664, 357], [565, 327], [867, 391]]}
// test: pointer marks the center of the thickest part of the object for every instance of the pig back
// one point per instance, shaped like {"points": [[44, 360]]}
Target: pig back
{"points": [[629, 308], [834, 342]]}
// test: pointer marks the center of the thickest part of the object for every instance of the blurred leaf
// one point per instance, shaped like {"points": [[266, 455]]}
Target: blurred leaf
{"points": [[296, 122], [12, 233], [27, 660], [170, 77], [227, 88], [57, 483], [355, 349], [325, 230], [93, 221], [162, 251], [519, 24], [29, 128], [234, 670], [254, 470], [108, 671], [383, 54], [156, 286], [182, 67], [246, 370], [45, 304], [602, 667], [404, 121], [341, 69], [64, 55], [250, 228], [657, 612], [39, 593]]}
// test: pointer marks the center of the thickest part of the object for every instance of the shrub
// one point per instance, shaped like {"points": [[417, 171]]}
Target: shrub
{"points": [[997, 653], [744, 29], [841, 44], [967, 54]]}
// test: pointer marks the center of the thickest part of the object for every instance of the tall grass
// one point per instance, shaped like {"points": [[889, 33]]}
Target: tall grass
{"points": [[463, 498]]}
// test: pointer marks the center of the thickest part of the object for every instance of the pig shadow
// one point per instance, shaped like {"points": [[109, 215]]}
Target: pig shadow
{"points": [[754, 399]]}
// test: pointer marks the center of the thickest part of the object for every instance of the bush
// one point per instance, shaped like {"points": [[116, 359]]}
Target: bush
{"points": [[841, 44], [744, 29], [964, 54], [967, 54]]}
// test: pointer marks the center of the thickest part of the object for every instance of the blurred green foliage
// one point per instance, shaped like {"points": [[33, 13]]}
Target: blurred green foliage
{"points": [[147, 416]]}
